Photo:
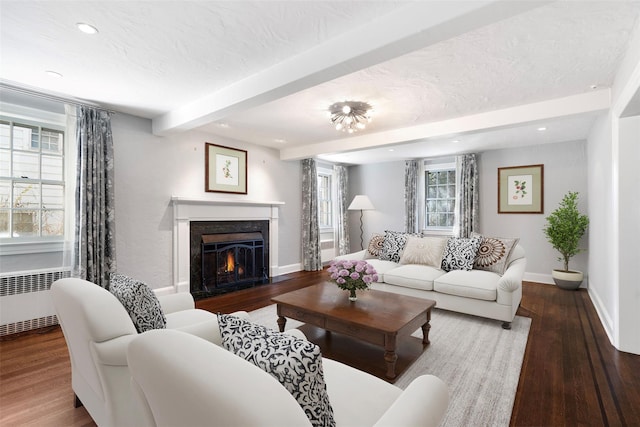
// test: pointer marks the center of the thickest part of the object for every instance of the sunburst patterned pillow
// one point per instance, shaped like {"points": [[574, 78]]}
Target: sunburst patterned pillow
{"points": [[375, 246], [493, 254]]}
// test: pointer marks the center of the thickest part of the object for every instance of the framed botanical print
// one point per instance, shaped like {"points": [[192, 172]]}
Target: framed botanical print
{"points": [[225, 169], [521, 189]]}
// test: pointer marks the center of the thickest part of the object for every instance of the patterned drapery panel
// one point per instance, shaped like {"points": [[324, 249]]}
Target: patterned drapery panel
{"points": [[411, 168], [311, 256], [341, 175], [467, 206], [94, 255]]}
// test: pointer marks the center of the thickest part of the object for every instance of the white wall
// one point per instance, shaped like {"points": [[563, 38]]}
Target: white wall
{"points": [[565, 168], [150, 169], [614, 151]]}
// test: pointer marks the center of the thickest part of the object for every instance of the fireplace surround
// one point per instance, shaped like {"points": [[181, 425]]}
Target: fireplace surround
{"points": [[187, 210]]}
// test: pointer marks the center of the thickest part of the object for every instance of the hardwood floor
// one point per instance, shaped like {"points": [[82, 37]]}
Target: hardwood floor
{"points": [[571, 375]]}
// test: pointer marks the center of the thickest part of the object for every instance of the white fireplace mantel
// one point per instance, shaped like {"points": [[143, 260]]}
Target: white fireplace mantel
{"points": [[187, 209]]}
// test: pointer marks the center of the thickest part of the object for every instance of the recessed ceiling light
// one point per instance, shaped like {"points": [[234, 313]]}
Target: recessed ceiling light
{"points": [[280, 140], [455, 141], [223, 125], [86, 28], [54, 74], [594, 87], [542, 128], [392, 149]]}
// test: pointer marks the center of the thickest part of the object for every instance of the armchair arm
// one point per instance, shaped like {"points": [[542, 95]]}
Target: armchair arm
{"points": [[176, 302], [112, 352], [423, 403]]}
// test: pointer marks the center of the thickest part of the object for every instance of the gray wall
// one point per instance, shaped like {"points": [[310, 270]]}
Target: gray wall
{"points": [[150, 169], [565, 169]]}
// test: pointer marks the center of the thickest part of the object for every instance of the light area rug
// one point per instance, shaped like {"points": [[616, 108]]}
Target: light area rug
{"points": [[478, 360]]}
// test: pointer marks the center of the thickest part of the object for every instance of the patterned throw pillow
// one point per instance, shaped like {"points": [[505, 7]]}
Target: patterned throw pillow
{"points": [[460, 253], [294, 362], [140, 302], [493, 253], [393, 245], [375, 246], [423, 250]]}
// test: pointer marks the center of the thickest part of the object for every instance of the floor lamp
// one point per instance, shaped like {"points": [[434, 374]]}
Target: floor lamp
{"points": [[361, 203]]}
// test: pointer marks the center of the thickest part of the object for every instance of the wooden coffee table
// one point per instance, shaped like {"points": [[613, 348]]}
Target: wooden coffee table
{"points": [[377, 317]]}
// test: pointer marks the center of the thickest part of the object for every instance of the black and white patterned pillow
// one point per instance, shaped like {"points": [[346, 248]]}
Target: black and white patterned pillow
{"points": [[393, 245], [140, 302], [460, 253], [294, 362]]}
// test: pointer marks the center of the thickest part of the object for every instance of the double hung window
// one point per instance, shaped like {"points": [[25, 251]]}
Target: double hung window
{"points": [[440, 197], [32, 181]]}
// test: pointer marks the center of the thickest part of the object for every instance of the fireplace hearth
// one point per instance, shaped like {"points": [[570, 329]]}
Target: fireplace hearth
{"points": [[227, 256]]}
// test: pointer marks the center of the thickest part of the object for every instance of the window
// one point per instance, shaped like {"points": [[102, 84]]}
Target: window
{"points": [[32, 184], [325, 205], [440, 197]]}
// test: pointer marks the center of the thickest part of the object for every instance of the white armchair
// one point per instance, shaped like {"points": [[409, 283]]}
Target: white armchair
{"points": [[197, 384], [98, 330]]}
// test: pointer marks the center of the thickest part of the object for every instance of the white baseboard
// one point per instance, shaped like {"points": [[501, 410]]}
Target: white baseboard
{"points": [[538, 278], [603, 314], [286, 269]]}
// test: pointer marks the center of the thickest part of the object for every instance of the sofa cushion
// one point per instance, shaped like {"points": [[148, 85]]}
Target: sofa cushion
{"points": [[375, 246], [493, 253], [413, 276], [140, 302], [476, 284], [393, 245], [294, 362], [423, 250], [460, 253], [382, 267]]}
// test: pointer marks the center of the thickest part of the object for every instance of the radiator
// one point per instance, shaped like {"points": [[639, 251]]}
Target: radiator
{"points": [[25, 301]]}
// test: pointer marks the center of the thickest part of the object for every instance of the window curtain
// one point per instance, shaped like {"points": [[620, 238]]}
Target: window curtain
{"points": [[94, 249], [311, 256], [411, 169], [467, 206], [341, 176]]}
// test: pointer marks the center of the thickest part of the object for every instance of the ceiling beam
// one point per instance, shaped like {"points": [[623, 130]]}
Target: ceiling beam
{"points": [[555, 108], [411, 27]]}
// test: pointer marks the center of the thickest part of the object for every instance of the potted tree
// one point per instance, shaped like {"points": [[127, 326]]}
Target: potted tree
{"points": [[565, 226]]}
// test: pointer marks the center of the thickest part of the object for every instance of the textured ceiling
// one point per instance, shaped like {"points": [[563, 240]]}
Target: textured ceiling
{"points": [[265, 72]]}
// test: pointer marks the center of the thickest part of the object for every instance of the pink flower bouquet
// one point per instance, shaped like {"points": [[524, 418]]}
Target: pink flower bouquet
{"points": [[351, 275]]}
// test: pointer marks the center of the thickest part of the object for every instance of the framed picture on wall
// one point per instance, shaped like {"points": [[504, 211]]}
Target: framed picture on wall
{"points": [[225, 169], [521, 189]]}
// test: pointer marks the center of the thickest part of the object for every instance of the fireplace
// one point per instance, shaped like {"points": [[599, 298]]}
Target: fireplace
{"points": [[196, 215], [232, 259], [228, 256]]}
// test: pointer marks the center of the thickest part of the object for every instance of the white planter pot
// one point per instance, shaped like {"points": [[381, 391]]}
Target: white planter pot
{"points": [[570, 280]]}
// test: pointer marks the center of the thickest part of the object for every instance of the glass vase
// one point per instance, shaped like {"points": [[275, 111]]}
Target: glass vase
{"points": [[352, 295]]}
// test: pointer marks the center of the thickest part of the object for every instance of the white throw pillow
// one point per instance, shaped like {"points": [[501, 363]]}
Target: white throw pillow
{"points": [[424, 251]]}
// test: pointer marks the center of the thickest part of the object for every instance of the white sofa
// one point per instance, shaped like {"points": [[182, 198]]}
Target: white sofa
{"points": [[98, 329], [197, 383], [477, 292]]}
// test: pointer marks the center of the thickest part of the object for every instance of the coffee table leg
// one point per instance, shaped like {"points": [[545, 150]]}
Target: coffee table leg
{"points": [[425, 329], [281, 322], [390, 356]]}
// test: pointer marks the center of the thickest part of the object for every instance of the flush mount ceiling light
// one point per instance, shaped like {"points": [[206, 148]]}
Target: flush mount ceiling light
{"points": [[350, 116], [87, 28]]}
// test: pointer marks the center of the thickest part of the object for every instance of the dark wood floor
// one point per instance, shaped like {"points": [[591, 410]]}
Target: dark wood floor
{"points": [[571, 375]]}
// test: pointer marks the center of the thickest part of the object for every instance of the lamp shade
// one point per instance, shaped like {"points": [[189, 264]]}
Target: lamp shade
{"points": [[361, 203]]}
